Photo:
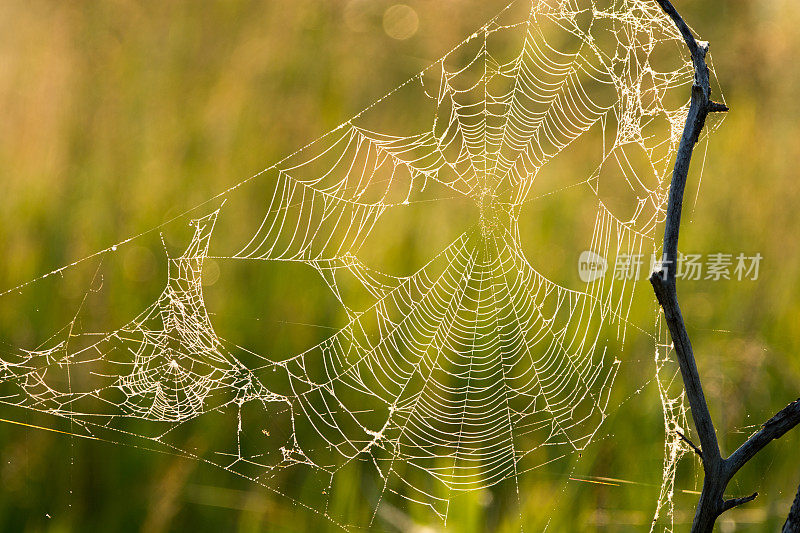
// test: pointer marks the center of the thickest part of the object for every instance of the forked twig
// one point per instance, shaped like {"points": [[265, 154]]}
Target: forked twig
{"points": [[717, 470]]}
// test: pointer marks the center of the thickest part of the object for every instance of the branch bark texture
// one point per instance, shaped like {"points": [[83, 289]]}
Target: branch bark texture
{"points": [[792, 524], [717, 470]]}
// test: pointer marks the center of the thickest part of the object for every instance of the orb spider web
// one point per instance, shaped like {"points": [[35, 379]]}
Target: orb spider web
{"points": [[475, 369]]}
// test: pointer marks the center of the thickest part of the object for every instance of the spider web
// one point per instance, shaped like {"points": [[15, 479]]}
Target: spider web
{"points": [[474, 370]]}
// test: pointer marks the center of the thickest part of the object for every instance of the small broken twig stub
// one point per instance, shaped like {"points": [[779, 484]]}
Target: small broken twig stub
{"points": [[733, 502]]}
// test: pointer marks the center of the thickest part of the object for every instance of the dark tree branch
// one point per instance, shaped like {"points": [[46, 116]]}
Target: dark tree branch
{"points": [[690, 443], [733, 502], [774, 428], [717, 471], [792, 524]]}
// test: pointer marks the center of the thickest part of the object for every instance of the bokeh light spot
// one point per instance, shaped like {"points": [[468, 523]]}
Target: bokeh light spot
{"points": [[400, 22]]}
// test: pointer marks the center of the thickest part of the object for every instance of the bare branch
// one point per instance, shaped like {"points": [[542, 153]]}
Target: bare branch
{"points": [[667, 297], [718, 471], [691, 444], [774, 428], [691, 42], [734, 502], [664, 282], [792, 524]]}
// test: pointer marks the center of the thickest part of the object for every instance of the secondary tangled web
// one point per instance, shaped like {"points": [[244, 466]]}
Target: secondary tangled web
{"points": [[476, 368]]}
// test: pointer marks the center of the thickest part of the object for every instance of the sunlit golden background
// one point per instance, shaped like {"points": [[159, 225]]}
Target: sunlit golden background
{"points": [[117, 116]]}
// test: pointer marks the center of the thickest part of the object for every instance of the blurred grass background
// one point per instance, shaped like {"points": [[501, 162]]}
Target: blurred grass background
{"points": [[118, 115]]}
